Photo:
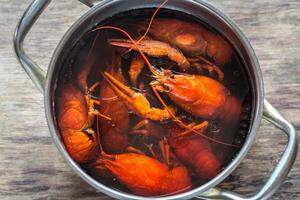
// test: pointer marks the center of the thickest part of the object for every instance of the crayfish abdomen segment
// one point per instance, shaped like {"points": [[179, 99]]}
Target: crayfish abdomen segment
{"points": [[81, 147], [72, 108], [72, 119]]}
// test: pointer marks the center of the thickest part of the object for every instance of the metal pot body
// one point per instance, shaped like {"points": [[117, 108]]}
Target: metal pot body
{"points": [[200, 9]]}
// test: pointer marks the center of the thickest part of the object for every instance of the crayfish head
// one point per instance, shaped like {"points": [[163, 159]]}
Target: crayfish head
{"points": [[180, 88]]}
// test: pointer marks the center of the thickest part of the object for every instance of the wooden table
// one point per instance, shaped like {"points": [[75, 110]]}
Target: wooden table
{"points": [[32, 168]]}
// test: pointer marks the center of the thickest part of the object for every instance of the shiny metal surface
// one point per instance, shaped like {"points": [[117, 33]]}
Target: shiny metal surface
{"points": [[90, 3], [36, 74], [201, 9]]}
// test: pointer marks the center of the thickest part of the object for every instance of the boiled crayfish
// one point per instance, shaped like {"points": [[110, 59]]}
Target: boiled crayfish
{"points": [[144, 175], [75, 117]]}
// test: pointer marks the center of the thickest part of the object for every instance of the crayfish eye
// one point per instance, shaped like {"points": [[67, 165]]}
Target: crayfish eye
{"points": [[167, 89]]}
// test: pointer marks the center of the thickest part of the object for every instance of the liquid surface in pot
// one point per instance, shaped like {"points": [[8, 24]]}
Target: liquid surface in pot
{"points": [[159, 117]]}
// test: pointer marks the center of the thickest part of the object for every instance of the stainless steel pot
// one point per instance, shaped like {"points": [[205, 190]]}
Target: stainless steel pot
{"points": [[200, 9]]}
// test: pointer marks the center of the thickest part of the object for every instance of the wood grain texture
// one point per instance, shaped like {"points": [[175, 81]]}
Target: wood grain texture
{"points": [[30, 165]]}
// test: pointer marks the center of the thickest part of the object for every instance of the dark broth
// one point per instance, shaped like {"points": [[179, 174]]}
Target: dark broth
{"points": [[236, 81]]}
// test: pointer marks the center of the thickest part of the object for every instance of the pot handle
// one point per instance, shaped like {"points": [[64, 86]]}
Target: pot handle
{"points": [[36, 74], [280, 171], [90, 3]]}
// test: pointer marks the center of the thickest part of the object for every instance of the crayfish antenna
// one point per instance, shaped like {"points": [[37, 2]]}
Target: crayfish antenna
{"points": [[83, 73], [149, 25], [102, 152], [98, 136]]}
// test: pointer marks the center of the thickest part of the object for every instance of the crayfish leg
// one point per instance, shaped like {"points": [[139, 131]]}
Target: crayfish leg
{"points": [[207, 65], [165, 150], [199, 127], [150, 149], [131, 149]]}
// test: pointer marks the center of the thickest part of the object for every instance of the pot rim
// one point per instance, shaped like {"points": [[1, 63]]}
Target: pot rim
{"points": [[258, 99]]}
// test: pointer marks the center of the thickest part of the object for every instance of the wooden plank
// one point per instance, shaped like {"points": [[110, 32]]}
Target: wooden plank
{"points": [[31, 167]]}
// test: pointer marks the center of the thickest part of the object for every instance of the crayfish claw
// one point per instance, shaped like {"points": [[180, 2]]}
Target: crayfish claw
{"points": [[119, 87]]}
